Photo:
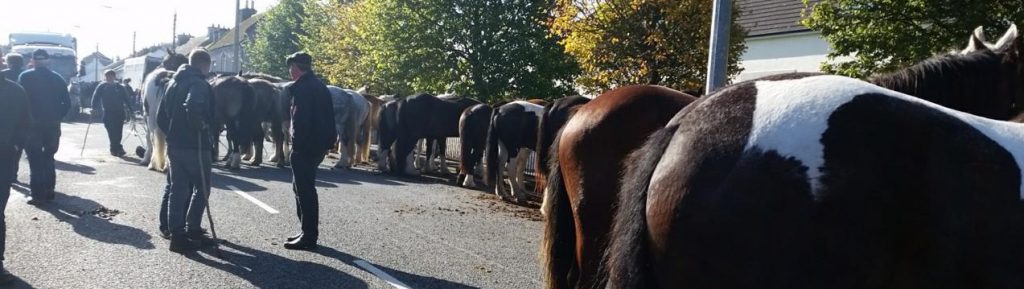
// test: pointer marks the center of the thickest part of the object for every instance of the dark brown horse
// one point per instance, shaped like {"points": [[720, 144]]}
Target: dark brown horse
{"points": [[555, 115], [473, 127], [582, 189], [234, 98], [387, 133], [817, 181], [424, 116]]}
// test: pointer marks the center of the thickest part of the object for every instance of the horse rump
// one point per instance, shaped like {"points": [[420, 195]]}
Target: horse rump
{"points": [[626, 260], [558, 250]]}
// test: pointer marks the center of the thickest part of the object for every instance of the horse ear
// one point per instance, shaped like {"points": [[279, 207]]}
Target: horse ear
{"points": [[980, 33], [974, 44], [1008, 39]]}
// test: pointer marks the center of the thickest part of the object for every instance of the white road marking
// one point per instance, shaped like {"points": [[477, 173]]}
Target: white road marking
{"points": [[254, 201], [382, 275]]}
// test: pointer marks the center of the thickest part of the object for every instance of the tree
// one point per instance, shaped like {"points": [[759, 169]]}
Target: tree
{"points": [[883, 35], [622, 42], [489, 49], [277, 35]]}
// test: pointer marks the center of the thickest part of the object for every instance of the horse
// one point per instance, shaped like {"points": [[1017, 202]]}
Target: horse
{"points": [[154, 86], [473, 126], [271, 112], [550, 123], [511, 135], [387, 133], [820, 181], [587, 158], [426, 116], [369, 128], [350, 112], [234, 98]]}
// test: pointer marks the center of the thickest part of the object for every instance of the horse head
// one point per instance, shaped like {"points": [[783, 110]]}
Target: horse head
{"points": [[173, 60]]}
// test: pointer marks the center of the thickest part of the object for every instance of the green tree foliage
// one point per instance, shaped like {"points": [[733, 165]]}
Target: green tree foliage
{"points": [[490, 49], [884, 35], [277, 36], [622, 42]]}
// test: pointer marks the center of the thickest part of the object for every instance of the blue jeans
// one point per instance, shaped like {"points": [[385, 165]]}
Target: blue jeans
{"points": [[42, 145], [186, 199]]}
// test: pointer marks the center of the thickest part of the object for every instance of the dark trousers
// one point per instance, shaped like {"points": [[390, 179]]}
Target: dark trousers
{"points": [[115, 127], [42, 145], [186, 199], [307, 204], [15, 165], [5, 193]]}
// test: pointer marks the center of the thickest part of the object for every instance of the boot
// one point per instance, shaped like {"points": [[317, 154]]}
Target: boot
{"points": [[182, 244], [295, 237], [302, 243]]}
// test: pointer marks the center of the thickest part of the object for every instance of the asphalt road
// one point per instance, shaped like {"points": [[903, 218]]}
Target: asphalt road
{"points": [[377, 231]]}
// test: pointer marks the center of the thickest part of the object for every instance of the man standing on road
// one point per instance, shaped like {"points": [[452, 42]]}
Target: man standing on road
{"points": [[48, 97], [111, 100], [15, 123], [185, 115], [313, 134], [15, 66]]}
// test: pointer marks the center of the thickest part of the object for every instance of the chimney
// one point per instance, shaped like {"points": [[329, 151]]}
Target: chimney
{"points": [[249, 10]]}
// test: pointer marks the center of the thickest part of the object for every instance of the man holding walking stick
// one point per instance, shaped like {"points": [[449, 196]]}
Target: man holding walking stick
{"points": [[185, 115], [111, 100]]}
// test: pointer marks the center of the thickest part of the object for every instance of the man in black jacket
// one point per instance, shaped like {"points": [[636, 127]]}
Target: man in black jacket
{"points": [[49, 99], [111, 100], [313, 134], [15, 123], [184, 115]]}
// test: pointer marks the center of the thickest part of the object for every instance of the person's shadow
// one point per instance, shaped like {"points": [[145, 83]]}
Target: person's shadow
{"points": [[86, 218], [69, 167], [267, 270]]}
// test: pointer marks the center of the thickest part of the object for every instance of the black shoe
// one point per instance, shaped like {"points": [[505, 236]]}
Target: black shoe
{"points": [[39, 201], [182, 244], [5, 277], [165, 234], [202, 238], [296, 237], [302, 243]]}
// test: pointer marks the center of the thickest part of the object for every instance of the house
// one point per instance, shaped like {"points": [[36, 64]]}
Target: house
{"points": [[92, 67], [222, 51], [776, 41]]}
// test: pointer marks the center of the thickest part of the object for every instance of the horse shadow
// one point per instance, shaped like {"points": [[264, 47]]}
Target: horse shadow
{"points": [[69, 167], [413, 280], [82, 213], [267, 174], [266, 270], [18, 283]]}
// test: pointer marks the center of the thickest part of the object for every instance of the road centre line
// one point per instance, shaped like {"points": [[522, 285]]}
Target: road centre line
{"points": [[382, 275], [252, 199]]}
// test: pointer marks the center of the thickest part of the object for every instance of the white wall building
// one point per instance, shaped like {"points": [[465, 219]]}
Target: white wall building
{"points": [[776, 41], [93, 66]]}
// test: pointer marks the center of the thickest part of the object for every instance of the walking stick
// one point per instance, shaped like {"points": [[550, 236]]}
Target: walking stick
{"points": [[206, 192], [82, 153]]}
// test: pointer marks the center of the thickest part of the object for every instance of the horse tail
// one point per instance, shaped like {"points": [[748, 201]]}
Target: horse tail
{"points": [[540, 163], [626, 258], [558, 250], [491, 153], [464, 144]]}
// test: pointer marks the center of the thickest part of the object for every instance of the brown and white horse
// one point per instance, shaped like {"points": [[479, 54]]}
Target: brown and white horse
{"points": [[586, 162], [818, 181], [511, 138], [153, 88]]}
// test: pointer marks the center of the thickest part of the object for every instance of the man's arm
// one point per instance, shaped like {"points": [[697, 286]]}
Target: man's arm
{"points": [[96, 106], [302, 114], [63, 95], [24, 125]]}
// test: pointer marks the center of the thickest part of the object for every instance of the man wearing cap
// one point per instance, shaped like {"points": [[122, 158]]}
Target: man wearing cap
{"points": [[313, 134], [111, 100], [185, 114], [50, 102], [15, 123]]}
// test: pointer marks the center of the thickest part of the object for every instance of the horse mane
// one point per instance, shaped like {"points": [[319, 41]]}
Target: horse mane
{"points": [[968, 82], [263, 76]]}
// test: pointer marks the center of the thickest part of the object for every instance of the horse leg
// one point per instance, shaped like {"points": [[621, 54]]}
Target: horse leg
{"points": [[499, 181], [440, 156], [517, 176], [277, 137], [149, 148], [286, 133], [405, 156], [158, 162], [257, 144]]}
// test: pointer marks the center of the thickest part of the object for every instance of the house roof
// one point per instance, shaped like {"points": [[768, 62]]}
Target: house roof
{"points": [[195, 42], [229, 37], [769, 17], [104, 60]]}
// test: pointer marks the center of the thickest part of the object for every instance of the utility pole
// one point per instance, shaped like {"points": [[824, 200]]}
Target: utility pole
{"points": [[174, 32], [238, 48], [718, 53], [133, 43], [96, 61]]}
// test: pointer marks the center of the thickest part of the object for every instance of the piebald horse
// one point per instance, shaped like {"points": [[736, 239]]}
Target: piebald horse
{"points": [[511, 138], [153, 88], [234, 99], [817, 181]]}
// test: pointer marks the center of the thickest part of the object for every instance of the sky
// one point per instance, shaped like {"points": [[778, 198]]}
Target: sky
{"points": [[110, 23]]}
